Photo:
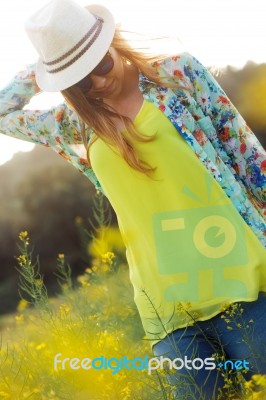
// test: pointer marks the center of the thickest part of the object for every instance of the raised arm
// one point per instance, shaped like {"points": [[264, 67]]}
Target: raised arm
{"points": [[57, 127], [31, 125]]}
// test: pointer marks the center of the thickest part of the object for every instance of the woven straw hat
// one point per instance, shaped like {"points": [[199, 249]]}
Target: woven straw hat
{"points": [[70, 40]]}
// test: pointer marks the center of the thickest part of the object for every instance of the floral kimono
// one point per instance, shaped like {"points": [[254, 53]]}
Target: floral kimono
{"points": [[199, 110]]}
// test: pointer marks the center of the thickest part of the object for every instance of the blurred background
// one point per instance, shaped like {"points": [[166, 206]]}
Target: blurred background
{"points": [[44, 195]]}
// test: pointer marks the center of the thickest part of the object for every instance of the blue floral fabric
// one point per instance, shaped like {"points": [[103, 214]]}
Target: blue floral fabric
{"points": [[200, 111]]}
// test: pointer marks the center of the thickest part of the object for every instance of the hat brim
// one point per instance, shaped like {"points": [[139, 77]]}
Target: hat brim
{"points": [[56, 82]]}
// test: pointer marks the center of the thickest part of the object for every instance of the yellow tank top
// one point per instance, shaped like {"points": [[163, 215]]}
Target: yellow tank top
{"points": [[188, 249]]}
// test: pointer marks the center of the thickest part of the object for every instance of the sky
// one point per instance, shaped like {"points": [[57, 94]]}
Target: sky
{"points": [[217, 32]]}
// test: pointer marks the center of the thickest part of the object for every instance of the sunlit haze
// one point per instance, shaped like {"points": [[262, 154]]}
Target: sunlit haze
{"points": [[217, 32]]}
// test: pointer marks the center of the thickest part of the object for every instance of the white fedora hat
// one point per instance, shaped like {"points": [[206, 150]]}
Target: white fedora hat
{"points": [[70, 40]]}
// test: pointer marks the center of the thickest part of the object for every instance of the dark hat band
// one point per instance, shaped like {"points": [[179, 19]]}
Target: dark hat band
{"points": [[95, 30]]}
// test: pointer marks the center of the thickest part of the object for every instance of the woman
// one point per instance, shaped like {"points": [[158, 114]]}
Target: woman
{"points": [[183, 172]]}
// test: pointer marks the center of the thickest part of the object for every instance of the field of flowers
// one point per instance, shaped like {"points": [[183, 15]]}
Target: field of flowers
{"points": [[92, 318], [96, 318]]}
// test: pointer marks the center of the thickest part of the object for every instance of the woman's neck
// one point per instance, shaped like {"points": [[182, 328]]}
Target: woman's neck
{"points": [[130, 93]]}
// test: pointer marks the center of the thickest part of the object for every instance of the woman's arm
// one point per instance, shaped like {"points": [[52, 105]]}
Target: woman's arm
{"points": [[58, 127], [31, 125], [234, 136]]}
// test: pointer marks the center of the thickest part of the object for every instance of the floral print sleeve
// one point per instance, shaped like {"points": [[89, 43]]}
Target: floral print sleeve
{"points": [[53, 127], [58, 127], [231, 136], [20, 123]]}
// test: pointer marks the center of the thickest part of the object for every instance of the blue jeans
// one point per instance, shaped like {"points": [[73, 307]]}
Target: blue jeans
{"points": [[239, 334]]}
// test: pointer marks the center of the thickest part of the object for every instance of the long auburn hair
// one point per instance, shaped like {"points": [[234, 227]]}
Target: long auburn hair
{"points": [[98, 117]]}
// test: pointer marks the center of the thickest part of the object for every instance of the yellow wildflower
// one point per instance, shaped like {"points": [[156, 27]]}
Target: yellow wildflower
{"points": [[249, 385], [106, 239], [40, 346], [108, 257], [64, 308], [224, 307], [22, 305], [22, 260], [83, 279], [23, 235], [19, 318], [183, 307], [259, 380]]}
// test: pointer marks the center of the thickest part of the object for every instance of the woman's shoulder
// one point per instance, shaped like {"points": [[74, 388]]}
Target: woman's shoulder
{"points": [[179, 67], [179, 59], [186, 68]]}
